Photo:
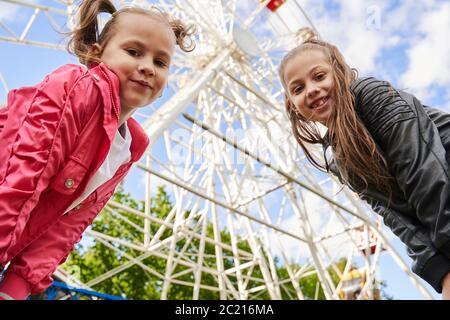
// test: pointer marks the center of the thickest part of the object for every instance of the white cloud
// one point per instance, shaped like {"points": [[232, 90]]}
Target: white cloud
{"points": [[361, 30], [429, 55], [8, 12], [357, 30], [354, 29], [13, 12], [403, 42]]}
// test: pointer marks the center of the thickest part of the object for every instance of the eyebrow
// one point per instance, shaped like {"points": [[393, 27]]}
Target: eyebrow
{"points": [[299, 80], [143, 46]]}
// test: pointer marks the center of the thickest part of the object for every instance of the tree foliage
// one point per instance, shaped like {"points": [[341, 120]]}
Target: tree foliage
{"points": [[94, 259]]}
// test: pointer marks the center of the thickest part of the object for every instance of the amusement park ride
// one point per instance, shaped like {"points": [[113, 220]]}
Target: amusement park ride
{"points": [[222, 144]]}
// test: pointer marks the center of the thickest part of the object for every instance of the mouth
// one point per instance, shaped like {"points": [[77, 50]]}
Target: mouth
{"points": [[143, 84], [319, 103]]}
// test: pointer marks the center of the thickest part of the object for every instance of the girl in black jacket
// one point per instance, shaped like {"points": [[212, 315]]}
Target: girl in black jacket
{"points": [[386, 146]]}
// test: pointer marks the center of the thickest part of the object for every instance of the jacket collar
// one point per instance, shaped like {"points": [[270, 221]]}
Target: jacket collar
{"points": [[111, 91], [111, 114], [139, 139]]}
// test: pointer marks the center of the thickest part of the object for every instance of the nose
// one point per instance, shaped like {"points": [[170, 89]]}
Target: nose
{"points": [[312, 91], [147, 68]]}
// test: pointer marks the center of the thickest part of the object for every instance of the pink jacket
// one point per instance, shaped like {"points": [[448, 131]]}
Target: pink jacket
{"points": [[54, 136]]}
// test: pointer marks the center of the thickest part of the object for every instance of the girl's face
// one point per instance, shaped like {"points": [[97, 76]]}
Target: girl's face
{"points": [[310, 85], [139, 53]]}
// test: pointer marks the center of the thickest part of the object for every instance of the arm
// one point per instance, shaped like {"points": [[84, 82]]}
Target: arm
{"points": [[446, 287], [428, 263], [30, 272], [416, 157], [36, 135]]}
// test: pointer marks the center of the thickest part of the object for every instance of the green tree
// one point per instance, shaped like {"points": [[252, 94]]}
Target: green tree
{"points": [[135, 282]]}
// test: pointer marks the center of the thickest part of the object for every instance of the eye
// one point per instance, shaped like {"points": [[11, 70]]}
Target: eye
{"points": [[133, 52], [161, 63], [297, 89], [320, 76]]}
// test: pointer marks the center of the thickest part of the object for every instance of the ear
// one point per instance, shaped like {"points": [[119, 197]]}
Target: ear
{"points": [[96, 50], [287, 102]]}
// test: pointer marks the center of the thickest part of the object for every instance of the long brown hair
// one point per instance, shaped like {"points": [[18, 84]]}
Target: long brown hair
{"points": [[355, 151], [86, 33]]}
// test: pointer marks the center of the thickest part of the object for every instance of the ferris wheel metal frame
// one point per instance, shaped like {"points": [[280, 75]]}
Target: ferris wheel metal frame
{"points": [[226, 119]]}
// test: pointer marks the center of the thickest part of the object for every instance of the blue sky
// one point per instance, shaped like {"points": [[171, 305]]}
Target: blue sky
{"points": [[399, 41]]}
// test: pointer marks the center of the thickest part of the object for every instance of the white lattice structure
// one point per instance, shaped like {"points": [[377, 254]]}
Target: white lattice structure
{"points": [[223, 144]]}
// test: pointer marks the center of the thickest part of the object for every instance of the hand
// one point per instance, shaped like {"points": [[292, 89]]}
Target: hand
{"points": [[446, 287]]}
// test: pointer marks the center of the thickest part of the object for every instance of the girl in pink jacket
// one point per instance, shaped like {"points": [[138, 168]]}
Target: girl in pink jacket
{"points": [[68, 141]]}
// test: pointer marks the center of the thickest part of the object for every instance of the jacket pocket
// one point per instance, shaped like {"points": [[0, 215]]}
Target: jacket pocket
{"points": [[70, 177]]}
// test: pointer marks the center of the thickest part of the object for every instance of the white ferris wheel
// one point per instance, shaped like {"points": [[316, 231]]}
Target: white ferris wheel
{"points": [[222, 144]]}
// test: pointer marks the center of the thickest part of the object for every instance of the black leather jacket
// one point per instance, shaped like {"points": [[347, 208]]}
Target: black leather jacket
{"points": [[415, 141]]}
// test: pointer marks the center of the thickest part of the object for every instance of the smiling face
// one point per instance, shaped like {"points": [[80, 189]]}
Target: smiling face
{"points": [[139, 53], [310, 86]]}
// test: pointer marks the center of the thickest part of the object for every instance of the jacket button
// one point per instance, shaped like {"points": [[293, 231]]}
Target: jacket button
{"points": [[96, 77], [69, 183], [78, 207]]}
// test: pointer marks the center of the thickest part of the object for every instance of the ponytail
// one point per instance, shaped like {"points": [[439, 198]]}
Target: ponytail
{"points": [[183, 35], [86, 33]]}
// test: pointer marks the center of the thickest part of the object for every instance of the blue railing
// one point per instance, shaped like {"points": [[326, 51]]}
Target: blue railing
{"points": [[76, 293]]}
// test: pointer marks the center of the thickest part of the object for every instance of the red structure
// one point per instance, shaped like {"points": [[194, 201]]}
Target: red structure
{"points": [[273, 5]]}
